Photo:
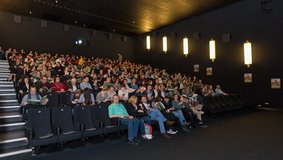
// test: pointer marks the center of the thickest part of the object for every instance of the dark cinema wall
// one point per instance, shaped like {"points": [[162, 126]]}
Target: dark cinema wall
{"points": [[244, 20], [31, 36]]}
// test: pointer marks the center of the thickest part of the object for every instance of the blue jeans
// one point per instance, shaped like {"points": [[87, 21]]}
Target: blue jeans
{"points": [[144, 120], [133, 127], [179, 114], [158, 116]]}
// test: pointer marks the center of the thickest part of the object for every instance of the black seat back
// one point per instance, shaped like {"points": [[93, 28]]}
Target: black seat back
{"points": [[62, 117], [39, 121], [101, 114], [83, 115], [64, 98], [53, 100]]}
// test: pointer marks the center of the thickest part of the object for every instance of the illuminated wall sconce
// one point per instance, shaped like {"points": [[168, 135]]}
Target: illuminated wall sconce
{"points": [[212, 50], [248, 53], [148, 43], [165, 44], [186, 46]]}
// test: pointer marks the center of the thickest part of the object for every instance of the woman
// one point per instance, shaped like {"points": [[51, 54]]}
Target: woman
{"points": [[58, 86], [24, 87], [136, 111], [75, 98], [87, 98]]}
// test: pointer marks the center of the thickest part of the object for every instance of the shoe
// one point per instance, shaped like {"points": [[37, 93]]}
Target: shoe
{"points": [[166, 136], [136, 140], [202, 125], [132, 142], [169, 123], [170, 131], [147, 137], [187, 124], [186, 129]]}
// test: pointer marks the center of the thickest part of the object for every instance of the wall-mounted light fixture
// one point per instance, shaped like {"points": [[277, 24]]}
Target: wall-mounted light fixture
{"points": [[164, 44], [186, 46], [148, 43], [212, 50], [248, 53]]}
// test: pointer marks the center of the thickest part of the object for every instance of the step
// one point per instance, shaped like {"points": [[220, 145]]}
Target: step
{"points": [[4, 75], [4, 86], [12, 126], [13, 139], [6, 82], [4, 70], [9, 108], [3, 79], [7, 96], [12, 103], [10, 117], [7, 89], [9, 100], [18, 153]]}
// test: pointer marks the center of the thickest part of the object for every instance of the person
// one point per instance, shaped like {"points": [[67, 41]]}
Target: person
{"points": [[58, 86], [169, 108], [118, 110], [73, 85], [87, 97], [33, 95], [136, 111], [85, 83], [155, 114], [103, 96], [124, 92], [43, 86], [185, 104], [24, 87], [219, 92]]}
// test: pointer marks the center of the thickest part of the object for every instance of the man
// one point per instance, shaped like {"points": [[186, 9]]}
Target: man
{"points": [[155, 114], [117, 110], [43, 85], [32, 95]]}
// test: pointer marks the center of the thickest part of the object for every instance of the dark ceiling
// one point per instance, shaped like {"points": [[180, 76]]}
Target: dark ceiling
{"points": [[129, 17]]}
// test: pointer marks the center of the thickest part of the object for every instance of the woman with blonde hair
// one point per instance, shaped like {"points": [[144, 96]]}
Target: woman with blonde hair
{"points": [[134, 110]]}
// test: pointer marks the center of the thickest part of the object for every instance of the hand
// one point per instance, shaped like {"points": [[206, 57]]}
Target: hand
{"points": [[62, 90], [21, 91], [131, 117], [140, 111]]}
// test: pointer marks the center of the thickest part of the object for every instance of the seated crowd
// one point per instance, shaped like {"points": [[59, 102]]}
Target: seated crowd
{"points": [[138, 93]]}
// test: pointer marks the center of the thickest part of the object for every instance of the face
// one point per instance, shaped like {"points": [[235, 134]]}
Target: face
{"points": [[144, 100], [57, 79], [32, 90], [26, 80], [176, 97], [115, 99]]}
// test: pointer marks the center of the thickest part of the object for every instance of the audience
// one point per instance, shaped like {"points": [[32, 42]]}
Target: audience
{"points": [[104, 80]]}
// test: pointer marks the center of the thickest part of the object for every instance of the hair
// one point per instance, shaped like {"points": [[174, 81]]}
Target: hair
{"points": [[132, 99], [87, 96]]}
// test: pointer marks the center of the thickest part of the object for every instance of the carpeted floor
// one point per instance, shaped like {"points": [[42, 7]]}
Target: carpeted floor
{"points": [[253, 136]]}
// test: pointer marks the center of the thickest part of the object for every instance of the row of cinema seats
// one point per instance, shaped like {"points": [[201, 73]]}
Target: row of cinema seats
{"points": [[46, 125], [213, 105]]}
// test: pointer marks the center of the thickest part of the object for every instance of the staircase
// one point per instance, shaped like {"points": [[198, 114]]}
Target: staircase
{"points": [[13, 142]]}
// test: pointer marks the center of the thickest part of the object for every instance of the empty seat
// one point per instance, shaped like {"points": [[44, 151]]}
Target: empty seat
{"points": [[62, 122], [53, 100], [39, 127], [83, 118]]}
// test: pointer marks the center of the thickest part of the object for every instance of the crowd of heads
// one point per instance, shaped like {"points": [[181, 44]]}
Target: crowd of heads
{"points": [[103, 77]]}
